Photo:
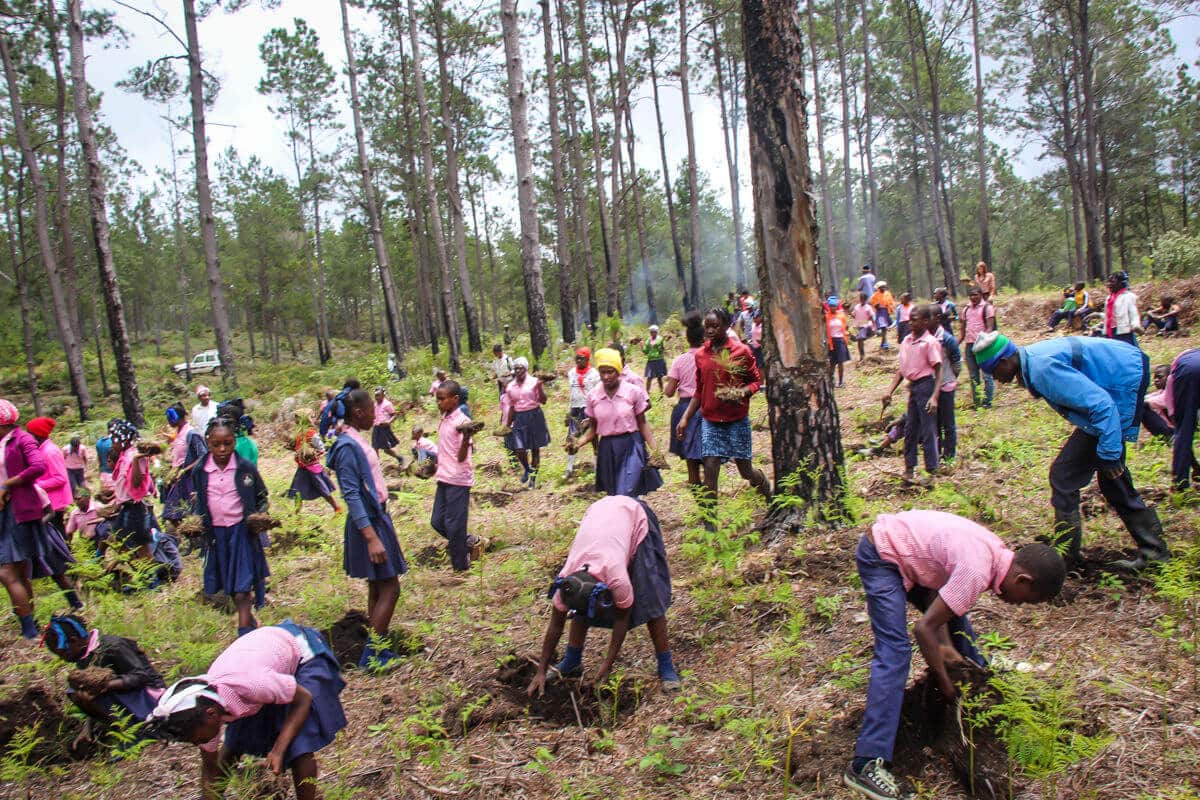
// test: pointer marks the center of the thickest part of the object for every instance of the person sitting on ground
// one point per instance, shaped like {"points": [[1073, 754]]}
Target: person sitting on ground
{"points": [[1074, 299], [942, 564], [895, 433], [1165, 317], [616, 576], [423, 447]]}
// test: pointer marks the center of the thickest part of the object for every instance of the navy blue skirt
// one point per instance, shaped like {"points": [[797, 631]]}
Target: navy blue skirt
{"points": [[132, 526], [310, 485], [656, 368], [529, 431], [650, 577], [51, 555], [689, 448], [321, 675], [235, 563], [621, 466], [356, 561], [839, 353], [382, 438], [136, 703], [17, 539], [177, 502]]}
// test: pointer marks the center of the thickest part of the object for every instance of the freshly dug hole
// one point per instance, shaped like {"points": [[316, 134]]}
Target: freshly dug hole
{"points": [[348, 638], [36, 708]]}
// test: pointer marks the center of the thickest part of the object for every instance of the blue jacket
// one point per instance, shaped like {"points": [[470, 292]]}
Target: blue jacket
{"points": [[1097, 384], [197, 448], [250, 488], [951, 354], [346, 459]]}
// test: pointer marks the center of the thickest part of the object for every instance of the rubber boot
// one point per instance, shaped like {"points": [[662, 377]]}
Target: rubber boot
{"points": [[1068, 532], [1146, 529]]}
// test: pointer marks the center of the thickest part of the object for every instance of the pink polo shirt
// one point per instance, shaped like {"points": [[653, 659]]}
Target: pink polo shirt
{"points": [[683, 370], [617, 414], [122, 473], [976, 317], [77, 460], [377, 478], [863, 314], [903, 312], [385, 412], [224, 504], [920, 357], [433, 387], [84, 522], [957, 557], [54, 481], [426, 444], [836, 326], [523, 396], [179, 445], [1157, 401], [450, 470], [608, 536], [257, 670], [629, 376]]}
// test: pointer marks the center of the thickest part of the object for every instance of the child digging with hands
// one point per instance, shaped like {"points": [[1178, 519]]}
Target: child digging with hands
{"points": [[942, 564]]}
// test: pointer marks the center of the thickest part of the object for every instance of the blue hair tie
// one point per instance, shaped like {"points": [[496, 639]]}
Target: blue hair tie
{"points": [[173, 415], [59, 626], [597, 598]]}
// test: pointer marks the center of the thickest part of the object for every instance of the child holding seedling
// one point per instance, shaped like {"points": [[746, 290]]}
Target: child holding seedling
{"points": [[455, 476], [1099, 386], [310, 480], [275, 691], [524, 418], [618, 413], [370, 548], [187, 450], [228, 490], [681, 378], [920, 364], [112, 675], [615, 576], [942, 564], [382, 436], [580, 381]]}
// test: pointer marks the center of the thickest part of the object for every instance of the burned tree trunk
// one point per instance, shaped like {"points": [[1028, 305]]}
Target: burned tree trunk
{"points": [[806, 440]]}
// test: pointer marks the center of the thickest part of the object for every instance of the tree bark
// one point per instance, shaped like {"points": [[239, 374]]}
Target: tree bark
{"points": [[131, 401], [730, 138], [66, 331], [985, 235], [431, 202], [847, 192], [531, 265], [689, 303], [806, 440], [382, 262], [208, 226], [826, 201], [620, 221], [638, 206], [566, 307], [693, 177]]}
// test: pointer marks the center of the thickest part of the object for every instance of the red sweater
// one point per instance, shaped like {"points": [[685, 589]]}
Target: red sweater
{"points": [[710, 375]]}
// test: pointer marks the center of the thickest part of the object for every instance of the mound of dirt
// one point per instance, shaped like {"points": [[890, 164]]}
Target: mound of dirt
{"points": [[496, 499], [348, 638], [431, 556], [36, 708]]}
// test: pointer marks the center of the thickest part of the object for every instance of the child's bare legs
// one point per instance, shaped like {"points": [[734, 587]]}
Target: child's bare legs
{"points": [[754, 477], [382, 596], [523, 458], [304, 776], [862, 353], [537, 459], [578, 633], [693, 468], [245, 610], [20, 592], [657, 628], [841, 373]]}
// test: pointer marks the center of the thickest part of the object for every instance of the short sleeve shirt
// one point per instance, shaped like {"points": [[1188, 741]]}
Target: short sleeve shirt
{"points": [[257, 670], [523, 395], [380, 484], [683, 371], [920, 357], [617, 414], [450, 470], [224, 503], [385, 412], [976, 317]]}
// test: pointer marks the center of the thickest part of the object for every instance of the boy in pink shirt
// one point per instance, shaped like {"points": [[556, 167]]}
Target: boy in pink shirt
{"points": [[455, 476], [942, 564], [920, 363], [616, 576], [76, 458], [84, 519]]}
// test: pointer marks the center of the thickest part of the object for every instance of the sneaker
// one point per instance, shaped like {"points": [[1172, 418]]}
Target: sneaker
{"points": [[875, 781]]}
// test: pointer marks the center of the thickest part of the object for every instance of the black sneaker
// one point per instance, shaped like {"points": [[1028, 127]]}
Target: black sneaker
{"points": [[876, 782]]}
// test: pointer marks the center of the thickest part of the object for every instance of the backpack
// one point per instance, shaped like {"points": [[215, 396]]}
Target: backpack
{"points": [[334, 412]]}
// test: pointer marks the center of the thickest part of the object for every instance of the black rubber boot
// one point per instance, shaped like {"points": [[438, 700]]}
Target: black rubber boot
{"points": [[1068, 532], [1146, 529]]}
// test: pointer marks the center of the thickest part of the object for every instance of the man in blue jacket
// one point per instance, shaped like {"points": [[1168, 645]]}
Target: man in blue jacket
{"points": [[1099, 386]]}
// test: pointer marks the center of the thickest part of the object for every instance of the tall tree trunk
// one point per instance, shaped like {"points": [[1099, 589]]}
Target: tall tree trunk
{"points": [[325, 351], [478, 248], [453, 189], [620, 220], [431, 198], [22, 293], [382, 262], [730, 138], [806, 442], [638, 206], [99, 350], [566, 307], [1080, 13], [826, 201], [689, 303], [131, 401], [66, 331], [491, 257], [531, 265], [612, 278], [62, 210], [693, 177], [847, 193], [871, 215], [208, 225], [180, 257], [985, 235]]}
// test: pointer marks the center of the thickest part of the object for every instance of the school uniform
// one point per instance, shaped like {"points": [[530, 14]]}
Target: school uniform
{"points": [[256, 678], [310, 481], [620, 541], [187, 449], [835, 337], [920, 363], [1182, 401], [580, 383], [883, 303], [365, 492], [529, 431], [143, 684], [76, 462], [452, 499], [382, 437], [21, 518], [725, 424], [975, 318], [864, 320], [903, 315], [621, 455], [55, 482], [947, 428], [917, 556], [132, 526], [683, 370], [656, 364], [84, 522], [425, 448], [225, 497]]}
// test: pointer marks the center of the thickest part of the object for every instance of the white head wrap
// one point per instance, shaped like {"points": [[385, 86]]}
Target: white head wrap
{"points": [[521, 362], [183, 696]]}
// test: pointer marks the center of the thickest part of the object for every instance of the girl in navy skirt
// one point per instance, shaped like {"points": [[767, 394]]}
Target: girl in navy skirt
{"points": [[370, 548], [132, 527], [656, 363], [616, 576], [228, 490], [187, 449], [681, 378], [275, 691], [526, 396], [382, 436], [618, 413], [135, 686], [310, 480]]}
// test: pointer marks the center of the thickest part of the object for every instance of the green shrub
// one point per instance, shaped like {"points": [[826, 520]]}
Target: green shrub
{"points": [[1175, 254]]}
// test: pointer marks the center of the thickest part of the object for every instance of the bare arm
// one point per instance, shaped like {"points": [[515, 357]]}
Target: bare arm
{"points": [[670, 386], [558, 619], [619, 629], [931, 633], [297, 714], [647, 433]]}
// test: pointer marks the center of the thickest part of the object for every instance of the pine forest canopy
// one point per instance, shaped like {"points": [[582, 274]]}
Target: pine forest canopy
{"points": [[414, 169]]}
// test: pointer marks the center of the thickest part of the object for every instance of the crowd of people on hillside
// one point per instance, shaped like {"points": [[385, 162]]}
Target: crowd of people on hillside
{"points": [[274, 692]]}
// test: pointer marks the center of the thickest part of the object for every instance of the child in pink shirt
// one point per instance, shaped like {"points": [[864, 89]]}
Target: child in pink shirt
{"points": [[920, 364], [864, 320], [84, 519], [616, 576], [132, 484], [76, 458], [228, 490], [423, 447], [524, 417], [455, 476], [382, 436], [942, 564]]}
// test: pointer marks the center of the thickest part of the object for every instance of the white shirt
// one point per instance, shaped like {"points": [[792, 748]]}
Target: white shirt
{"points": [[1125, 313], [591, 380], [201, 415]]}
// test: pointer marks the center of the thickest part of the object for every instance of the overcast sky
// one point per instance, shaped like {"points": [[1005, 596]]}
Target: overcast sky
{"points": [[241, 116]]}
